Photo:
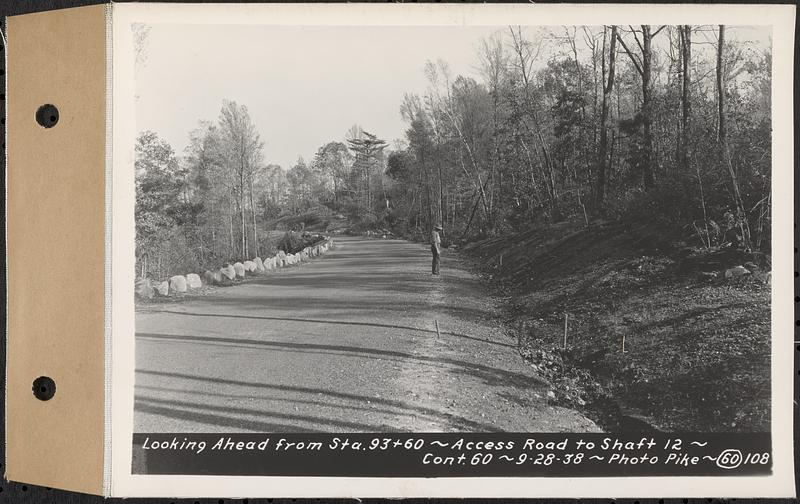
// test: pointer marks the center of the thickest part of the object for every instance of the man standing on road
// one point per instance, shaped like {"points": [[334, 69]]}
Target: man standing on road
{"points": [[436, 248]]}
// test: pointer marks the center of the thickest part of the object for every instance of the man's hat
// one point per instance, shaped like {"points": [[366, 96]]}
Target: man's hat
{"points": [[438, 226]]}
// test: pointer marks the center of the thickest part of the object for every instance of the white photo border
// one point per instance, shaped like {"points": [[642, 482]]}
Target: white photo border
{"points": [[123, 483]]}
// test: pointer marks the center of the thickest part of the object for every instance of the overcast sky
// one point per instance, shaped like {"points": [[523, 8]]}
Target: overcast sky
{"points": [[303, 86]]}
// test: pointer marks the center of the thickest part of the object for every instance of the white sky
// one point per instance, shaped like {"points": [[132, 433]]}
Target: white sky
{"points": [[303, 86]]}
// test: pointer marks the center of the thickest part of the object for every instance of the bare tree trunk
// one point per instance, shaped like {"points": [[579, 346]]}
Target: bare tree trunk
{"points": [[686, 100], [231, 251], [243, 220], [369, 189], [578, 73], [495, 151], [243, 252], [722, 138], [441, 182], [645, 69], [647, 105], [428, 191], [472, 215], [213, 230], [548, 163], [608, 88], [419, 201], [593, 46], [721, 133], [531, 171], [255, 226], [454, 200], [684, 153], [478, 183]]}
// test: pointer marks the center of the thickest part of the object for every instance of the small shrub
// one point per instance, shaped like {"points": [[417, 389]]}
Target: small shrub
{"points": [[290, 243]]}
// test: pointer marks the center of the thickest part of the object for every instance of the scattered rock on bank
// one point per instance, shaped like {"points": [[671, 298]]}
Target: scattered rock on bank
{"points": [[682, 315], [736, 271], [707, 275]]}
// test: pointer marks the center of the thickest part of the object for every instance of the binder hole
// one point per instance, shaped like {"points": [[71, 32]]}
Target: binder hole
{"points": [[44, 388], [47, 116]]}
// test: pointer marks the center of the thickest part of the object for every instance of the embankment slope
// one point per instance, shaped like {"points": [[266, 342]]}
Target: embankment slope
{"points": [[696, 343]]}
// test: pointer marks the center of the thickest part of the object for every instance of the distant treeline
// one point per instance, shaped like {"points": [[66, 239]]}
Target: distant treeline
{"points": [[670, 124]]}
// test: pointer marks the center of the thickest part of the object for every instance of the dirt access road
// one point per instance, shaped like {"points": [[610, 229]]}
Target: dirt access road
{"points": [[346, 343]]}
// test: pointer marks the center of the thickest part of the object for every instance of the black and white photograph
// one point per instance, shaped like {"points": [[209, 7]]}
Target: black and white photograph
{"points": [[452, 229]]}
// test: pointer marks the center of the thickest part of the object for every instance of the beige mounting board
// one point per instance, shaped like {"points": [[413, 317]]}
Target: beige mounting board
{"points": [[55, 233]]}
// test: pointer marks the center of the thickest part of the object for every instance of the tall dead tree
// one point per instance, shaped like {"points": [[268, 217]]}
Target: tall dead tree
{"points": [[685, 36], [445, 105], [722, 139], [242, 148], [721, 133], [608, 88], [685, 136], [644, 67], [253, 212], [525, 58], [494, 62]]}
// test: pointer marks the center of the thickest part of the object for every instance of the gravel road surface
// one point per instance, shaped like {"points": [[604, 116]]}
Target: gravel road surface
{"points": [[346, 343]]}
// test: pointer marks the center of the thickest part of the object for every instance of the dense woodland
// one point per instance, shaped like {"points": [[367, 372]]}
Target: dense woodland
{"points": [[668, 124]]}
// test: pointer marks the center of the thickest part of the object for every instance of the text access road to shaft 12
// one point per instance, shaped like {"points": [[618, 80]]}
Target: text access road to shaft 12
{"points": [[453, 455]]}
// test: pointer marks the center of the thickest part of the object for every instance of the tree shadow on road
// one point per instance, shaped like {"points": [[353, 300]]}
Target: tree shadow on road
{"points": [[489, 375], [339, 322], [231, 416], [294, 399], [186, 410]]}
